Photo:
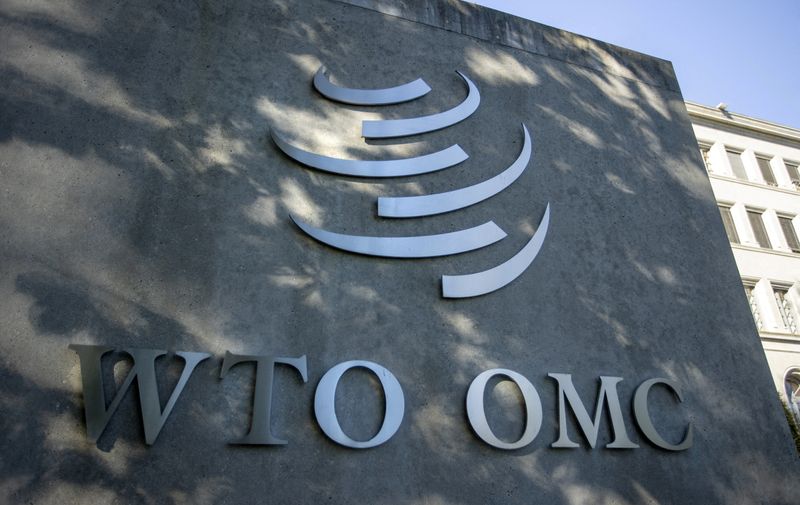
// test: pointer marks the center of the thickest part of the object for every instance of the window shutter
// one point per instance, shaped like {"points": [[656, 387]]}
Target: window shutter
{"points": [[737, 166], [730, 228], [758, 229], [789, 233], [766, 171]]}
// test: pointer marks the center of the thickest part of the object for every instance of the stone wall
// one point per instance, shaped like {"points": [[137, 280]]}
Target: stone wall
{"points": [[144, 205]]}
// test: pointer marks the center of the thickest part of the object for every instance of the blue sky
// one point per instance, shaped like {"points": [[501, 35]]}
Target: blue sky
{"points": [[743, 53]]}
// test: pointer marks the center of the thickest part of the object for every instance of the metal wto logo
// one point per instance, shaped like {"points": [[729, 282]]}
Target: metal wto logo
{"points": [[422, 246]]}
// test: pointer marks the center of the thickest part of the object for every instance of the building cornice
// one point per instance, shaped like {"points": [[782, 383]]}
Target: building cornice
{"points": [[764, 250], [741, 121], [772, 336], [758, 185]]}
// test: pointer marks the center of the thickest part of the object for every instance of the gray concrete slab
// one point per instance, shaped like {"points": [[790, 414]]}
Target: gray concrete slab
{"points": [[144, 205]]}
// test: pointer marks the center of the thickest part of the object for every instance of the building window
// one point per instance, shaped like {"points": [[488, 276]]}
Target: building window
{"points": [[737, 166], [766, 171], [751, 299], [785, 308], [794, 173], [759, 230], [789, 233], [792, 385], [704, 154], [727, 221]]}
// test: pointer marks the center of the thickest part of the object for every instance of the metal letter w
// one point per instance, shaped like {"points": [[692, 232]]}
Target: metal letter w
{"points": [[94, 398]]}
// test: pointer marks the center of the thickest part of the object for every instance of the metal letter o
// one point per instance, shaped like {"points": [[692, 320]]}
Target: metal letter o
{"points": [[477, 414], [325, 404]]}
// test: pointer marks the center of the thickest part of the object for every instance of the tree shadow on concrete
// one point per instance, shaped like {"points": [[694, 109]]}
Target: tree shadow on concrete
{"points": [[146, 206]]}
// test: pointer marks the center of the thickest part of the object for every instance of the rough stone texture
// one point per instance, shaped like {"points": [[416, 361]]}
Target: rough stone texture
{"points": [[143, 205], [512, 31]]}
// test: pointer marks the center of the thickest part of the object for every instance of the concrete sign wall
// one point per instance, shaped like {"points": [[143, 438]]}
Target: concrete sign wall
{"points": [[168, 186]]}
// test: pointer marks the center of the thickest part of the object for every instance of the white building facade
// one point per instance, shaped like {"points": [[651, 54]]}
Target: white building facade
{"points": [[753, 168]]}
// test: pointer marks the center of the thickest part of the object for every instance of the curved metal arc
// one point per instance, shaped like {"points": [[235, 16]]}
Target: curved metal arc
{"points": [[388, 128], [423, 246], [386, 96], [465, 286], [439, 160], [428, 205]]}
